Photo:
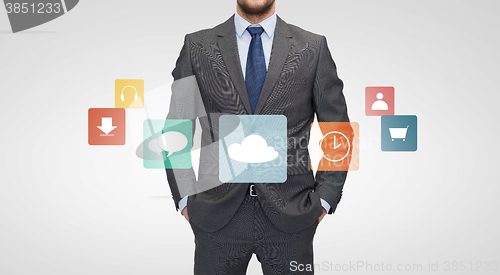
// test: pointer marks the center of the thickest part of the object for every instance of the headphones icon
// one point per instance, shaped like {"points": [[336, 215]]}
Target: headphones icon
{"points": [[123, 97]]}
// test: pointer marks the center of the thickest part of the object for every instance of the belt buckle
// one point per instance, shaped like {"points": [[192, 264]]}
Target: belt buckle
{"points": [[252, 191]]}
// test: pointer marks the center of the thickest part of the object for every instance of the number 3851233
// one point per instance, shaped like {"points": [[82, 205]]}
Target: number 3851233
{"points": [[33, 8]]}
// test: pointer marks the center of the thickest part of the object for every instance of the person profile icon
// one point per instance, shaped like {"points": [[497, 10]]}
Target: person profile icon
{"points": [[379, 101], [380, 105]]}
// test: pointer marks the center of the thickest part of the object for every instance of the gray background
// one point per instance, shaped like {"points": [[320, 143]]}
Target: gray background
{"points": [[69, 208]]}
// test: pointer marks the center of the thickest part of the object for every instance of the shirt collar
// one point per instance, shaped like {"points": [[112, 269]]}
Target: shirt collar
{"points": [[269, 25]]}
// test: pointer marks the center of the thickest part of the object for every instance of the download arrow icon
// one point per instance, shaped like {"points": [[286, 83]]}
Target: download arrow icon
{"points": [[107, 125]]}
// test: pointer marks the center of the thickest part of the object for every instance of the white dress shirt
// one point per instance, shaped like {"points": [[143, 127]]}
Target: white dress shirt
{"points": [[243, 39]]}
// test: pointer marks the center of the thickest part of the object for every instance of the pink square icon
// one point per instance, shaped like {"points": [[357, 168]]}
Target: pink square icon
{"points": [[379, 101]]}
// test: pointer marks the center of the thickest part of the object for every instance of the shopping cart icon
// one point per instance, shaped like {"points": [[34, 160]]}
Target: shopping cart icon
{"points": [[398, 133]]}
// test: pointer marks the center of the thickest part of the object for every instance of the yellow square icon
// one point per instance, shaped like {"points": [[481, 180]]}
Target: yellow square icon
{"points": [[129, 93]]}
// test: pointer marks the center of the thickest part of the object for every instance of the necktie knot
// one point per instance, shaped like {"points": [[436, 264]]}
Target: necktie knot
{"points": [[255, 30]]}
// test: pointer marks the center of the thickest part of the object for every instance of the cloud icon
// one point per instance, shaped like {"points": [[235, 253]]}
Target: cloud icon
{"points": [[253, 149]]}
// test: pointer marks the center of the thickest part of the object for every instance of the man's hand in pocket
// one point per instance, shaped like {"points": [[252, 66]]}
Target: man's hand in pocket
{"points": [[320, 218], [185, 213]]}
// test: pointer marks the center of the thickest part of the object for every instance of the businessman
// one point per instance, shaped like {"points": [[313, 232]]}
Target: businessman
{"points": [[256, 64]]}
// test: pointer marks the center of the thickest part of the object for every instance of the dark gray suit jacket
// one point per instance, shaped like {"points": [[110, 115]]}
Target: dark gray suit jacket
{"points": [[301, 81]]}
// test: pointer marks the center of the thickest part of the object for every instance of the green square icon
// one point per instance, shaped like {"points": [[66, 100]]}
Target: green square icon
{"points": [[167, 143]]}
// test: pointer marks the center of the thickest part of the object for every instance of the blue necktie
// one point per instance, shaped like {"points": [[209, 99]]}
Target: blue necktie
{"points": [[256, 67]]}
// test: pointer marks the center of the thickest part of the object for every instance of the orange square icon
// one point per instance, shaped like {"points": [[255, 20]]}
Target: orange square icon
{"points": [[339, 146], [106, 126]]}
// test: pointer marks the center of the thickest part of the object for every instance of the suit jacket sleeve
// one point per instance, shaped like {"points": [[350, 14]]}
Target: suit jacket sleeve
{"points": [[182, 106], [183, 65], [330, 106]]}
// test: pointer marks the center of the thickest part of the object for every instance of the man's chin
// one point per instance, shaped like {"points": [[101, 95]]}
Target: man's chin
{"points": [[256, 10]]}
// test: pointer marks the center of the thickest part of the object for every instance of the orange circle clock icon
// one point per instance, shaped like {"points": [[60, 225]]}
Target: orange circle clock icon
{"points": [[335, 146]]}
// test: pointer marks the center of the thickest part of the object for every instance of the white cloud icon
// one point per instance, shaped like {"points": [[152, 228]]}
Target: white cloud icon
{"points": [[253, 149]]}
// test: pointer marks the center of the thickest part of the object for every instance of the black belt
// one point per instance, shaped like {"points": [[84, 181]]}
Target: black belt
{"points": [[251, 191]]}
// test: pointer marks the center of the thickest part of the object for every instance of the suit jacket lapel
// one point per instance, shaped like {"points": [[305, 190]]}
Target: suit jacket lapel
{"points": [[229, 51], [281, 47]]}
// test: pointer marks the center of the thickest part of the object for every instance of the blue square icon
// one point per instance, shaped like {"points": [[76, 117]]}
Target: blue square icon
{"points": [[399, 133], [253, 149]]}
